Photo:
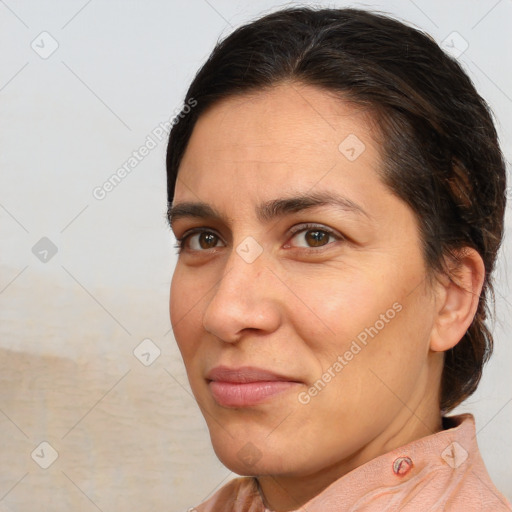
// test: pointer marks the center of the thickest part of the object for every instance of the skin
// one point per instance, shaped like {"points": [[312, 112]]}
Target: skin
{"points": [[296, 308]]}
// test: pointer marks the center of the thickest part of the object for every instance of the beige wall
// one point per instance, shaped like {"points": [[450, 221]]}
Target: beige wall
{"points": [[141, 446]]}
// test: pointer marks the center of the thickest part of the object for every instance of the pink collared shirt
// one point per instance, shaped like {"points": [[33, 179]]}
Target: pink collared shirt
{"points": [[441, 472]]}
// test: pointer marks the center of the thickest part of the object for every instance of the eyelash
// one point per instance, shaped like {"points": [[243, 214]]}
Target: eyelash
{"points": [[294, 231]]}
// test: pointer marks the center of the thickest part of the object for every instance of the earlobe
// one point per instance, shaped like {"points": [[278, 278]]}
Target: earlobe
{"points": [[457, 298]]}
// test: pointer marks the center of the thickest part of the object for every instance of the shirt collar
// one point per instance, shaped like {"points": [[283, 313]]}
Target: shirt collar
{"points": [[401, 470]]}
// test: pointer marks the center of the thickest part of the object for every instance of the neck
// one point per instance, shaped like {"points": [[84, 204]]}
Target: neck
{"points": [[416, 420]]}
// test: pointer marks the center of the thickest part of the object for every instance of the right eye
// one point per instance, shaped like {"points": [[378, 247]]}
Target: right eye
{"points": [[199, 241]]}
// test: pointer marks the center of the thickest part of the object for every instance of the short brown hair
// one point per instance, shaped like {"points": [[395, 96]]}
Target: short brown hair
{"points": [[440, 148]]}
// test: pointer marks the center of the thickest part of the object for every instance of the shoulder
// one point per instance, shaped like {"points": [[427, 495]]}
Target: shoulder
{"points": [[238, 495]]}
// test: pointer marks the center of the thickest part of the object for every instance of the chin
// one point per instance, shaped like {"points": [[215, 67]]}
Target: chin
{"points": [[252, 455]]}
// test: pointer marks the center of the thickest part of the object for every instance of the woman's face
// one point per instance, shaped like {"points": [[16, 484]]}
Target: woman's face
{"points": [[300, 262]]}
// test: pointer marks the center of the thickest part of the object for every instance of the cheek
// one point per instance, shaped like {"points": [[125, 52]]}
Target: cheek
{"points": [[373, 318], [189, 288], [384, 347], [334, 307], [184, 308], [176, 306]]}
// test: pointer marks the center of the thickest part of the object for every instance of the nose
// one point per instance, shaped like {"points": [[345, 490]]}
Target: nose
{"points": [[244, 300]]}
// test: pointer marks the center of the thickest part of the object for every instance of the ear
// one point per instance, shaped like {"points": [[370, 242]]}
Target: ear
{"points": [[457, 296]]}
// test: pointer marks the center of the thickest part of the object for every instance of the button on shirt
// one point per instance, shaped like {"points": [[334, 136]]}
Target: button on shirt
{"points": [[441, 472]]}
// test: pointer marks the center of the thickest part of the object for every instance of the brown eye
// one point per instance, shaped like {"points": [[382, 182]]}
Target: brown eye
{"points": [[201, 241], [311, 237], [316, 238], [207, 240]]}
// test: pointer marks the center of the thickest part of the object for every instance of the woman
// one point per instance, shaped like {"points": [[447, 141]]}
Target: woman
{"points": [[337, 194]]}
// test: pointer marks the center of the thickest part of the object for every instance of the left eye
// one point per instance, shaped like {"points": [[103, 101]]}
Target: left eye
{"points": [[315, 237]]}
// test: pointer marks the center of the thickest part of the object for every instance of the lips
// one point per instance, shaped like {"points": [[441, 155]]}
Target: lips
{"points": [[246, 386]]}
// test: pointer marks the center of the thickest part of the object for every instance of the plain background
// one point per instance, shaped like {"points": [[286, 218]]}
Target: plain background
{"points": [[130, 436]]}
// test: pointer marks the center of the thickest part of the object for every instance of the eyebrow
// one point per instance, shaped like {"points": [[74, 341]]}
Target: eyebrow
{"points": [[269, 210]]}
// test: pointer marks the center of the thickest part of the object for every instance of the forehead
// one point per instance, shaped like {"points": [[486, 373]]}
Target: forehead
{"points": [[289, 136]]}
